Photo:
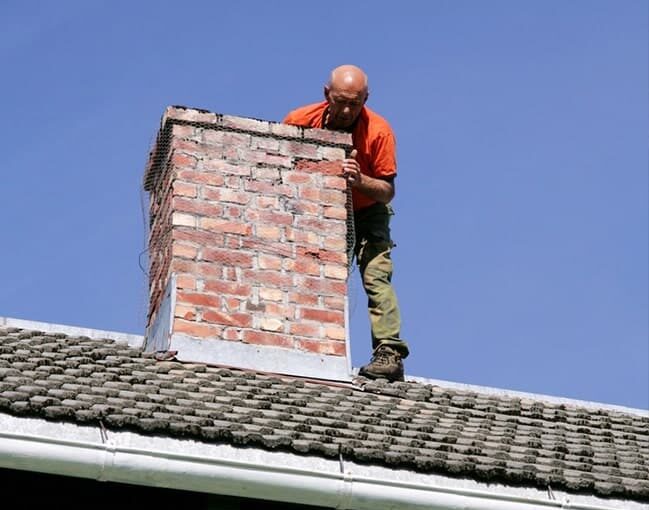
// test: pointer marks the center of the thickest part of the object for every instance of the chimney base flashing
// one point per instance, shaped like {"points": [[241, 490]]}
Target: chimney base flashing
{"points": [[157, 334], [261, 358]]}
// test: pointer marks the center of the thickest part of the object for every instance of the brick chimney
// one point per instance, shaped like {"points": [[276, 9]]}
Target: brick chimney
{"points": [[248, 244]]}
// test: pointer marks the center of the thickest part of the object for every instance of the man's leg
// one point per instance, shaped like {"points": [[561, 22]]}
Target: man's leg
{"points": [[373, 247], [375, 265]]}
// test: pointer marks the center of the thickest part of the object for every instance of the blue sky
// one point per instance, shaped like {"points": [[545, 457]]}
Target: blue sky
{"points": [[522, 196]]}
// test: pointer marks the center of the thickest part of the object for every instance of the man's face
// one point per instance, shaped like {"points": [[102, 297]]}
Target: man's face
{"points": [[344, 106]]}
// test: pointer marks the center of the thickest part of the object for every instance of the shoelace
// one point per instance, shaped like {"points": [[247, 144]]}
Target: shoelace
{"points": [[382, 357]]}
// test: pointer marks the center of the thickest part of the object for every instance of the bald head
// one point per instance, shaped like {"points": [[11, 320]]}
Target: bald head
{"points": [[346, 93], [349, 78]]}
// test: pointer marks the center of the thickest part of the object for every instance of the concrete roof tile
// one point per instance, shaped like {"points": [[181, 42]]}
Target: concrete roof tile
{"points": [[511, 440]]}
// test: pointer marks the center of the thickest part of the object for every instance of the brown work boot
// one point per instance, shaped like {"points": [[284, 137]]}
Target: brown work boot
{"points": [[386, 364]]}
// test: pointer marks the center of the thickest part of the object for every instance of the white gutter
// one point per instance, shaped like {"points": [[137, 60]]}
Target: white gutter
{"points": [[109, 462]]}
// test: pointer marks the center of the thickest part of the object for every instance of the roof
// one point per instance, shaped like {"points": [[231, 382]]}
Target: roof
{"points": [[411, 425]]}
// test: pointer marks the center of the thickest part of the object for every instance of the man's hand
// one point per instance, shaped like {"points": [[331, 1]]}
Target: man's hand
{"points": [[352, 170], [377, 189]]}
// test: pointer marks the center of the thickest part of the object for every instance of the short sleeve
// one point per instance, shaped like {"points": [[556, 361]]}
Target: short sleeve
{"points": [[384, 156]]}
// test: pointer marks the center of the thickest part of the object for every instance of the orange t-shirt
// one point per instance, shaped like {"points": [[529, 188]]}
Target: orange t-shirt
{"points": [[372, 138]]}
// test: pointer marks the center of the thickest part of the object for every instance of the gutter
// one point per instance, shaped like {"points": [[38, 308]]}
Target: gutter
{"points": [[155, 468]]}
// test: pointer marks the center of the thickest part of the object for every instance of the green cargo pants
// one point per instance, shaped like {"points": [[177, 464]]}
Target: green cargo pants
{"points": [[372, 251]]}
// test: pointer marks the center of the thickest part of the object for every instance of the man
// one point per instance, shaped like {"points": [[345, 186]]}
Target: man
{"points": [[371, 169]]}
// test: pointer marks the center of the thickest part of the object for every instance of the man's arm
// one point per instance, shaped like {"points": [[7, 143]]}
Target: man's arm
{"points": [[381, 190]]}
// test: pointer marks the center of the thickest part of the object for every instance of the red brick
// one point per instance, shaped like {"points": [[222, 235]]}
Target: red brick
{"points": [[232, 304], [208, 269], [312, 194], [267, 338], [200, 237], [245, 124], [286, 130], [274, 218], [269, 262], [268, 247], [211, 193], [233, 212], [189, 147], [185, 312], [298, 149], [334, 183], [229, 257], [303, 299], [333, 256], [228, 288], [277, 310], [233, 242], [263, 158], [301, 329], [330, 197], [233, 182], [196, 329], [222, 167], [320, 167], [199, 299], [185, 189], [334, 303], [272, 278], [338, 213], [267, 323], [216, 137], [268, 188], [337, 272], [328, 136], [321, 286], [190, 115], [198, 207], [265, 173], [193, 176], [307, 265], [267, 202], [327, 227], [231, 334], [300, 178], [183, 160], [226, 226], [331, 153], [179, 131], [335, 244], [322, 347], [230, 274], [266, 143], [227, 195], [187, 282], [242, 320], [335, 333], [315, 314], [251, 215], [268, 232], [268, 217], [181, 220], [185, 251], [215, 152], [303, 238]]}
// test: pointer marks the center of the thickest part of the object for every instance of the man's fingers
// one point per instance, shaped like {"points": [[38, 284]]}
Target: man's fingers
{"points": [[353, 154]]}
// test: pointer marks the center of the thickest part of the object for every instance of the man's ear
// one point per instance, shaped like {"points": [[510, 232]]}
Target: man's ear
{"points": [[367, 94], [326, 92]]}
